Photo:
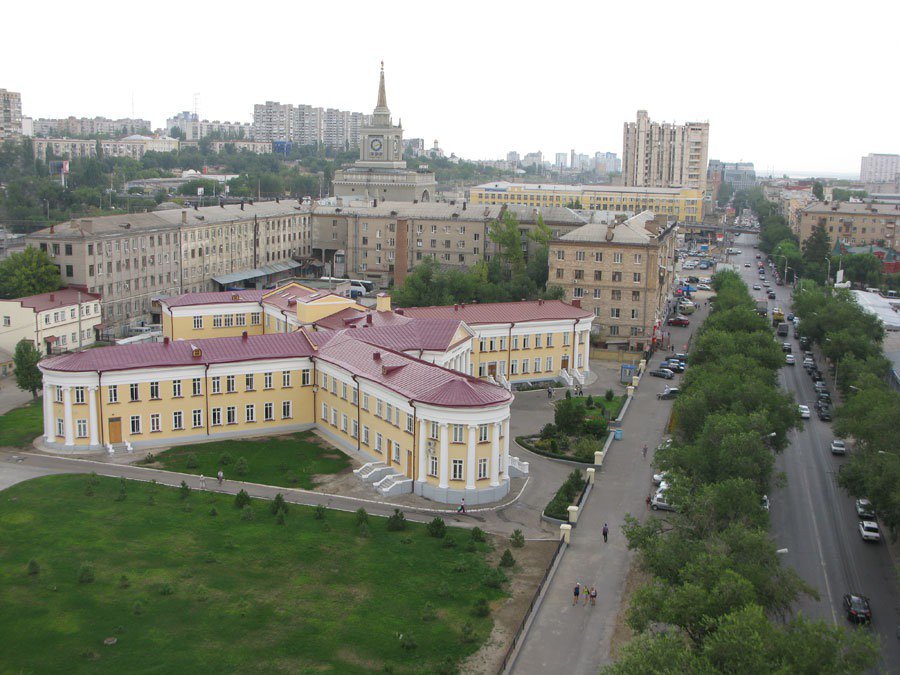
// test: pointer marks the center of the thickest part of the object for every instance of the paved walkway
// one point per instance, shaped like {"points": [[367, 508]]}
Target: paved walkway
{"points": [[577, 639], [10, 395]]}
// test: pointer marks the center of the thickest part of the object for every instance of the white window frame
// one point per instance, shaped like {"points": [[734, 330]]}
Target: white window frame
{"points": [[457, 469]]}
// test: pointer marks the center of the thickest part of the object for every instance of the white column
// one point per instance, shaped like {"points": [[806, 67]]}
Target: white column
{"points": [[444, 474], [506, 447], [471, 464], [423, 451], [93, 422], [68, 424], [49, 422], [495, 454], [587, 351]]}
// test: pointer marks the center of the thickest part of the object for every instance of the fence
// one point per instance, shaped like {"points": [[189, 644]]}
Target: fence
{"points": [[510, 652]]}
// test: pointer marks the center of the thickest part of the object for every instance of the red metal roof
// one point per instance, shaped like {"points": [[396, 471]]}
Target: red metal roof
{"points": [[501, 312], [351, 316], [422, 334], [55, 299], [217, 298]]}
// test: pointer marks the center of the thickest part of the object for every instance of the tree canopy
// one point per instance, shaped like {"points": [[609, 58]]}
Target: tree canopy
{"points": [[28, 375], [28, 272]]}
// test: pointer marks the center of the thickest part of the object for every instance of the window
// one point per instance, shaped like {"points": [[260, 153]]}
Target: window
{"points": [[457, 469], [230, 384], [248, 381], [60, 427], [217, 385], [268, 412], [434, 431], [637, 258], [267, 380], [334, 414], [525, 363], [598, 256], [617, 258], [240, 319], [255, 319], [365, 435], [354, 396], [396, 451], [286, 410], [613, 330], [457, 433], [388, 412], [196, 387], [285, 378], [579, 256], [6, 321], [79, 394], [482, 468], [634, 314], [196, 418], [177, 420], [566, 337], [135, 424], [614, 313], [637, 277], [216, 417], [549, 339], [537, 365], [134, 392], [514, 367], [154, 391], [325, 411], [616, 295], [113, 393], [379, 442], [560, 254], [526, 339], [433, 465], [344, 423], [217, 320], [198, 322], [549, 367], [579, 275], [365, 403], [617, 276], [537, 341], [379, 408], [636, 296], [305, 377], [354, 428], [59, 394], [598, 275], [250, 412], [409, 423], [176, 388], [231, 415], [482, 433], [81, 428]]}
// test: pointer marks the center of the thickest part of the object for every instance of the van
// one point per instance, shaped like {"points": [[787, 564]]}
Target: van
{"points": [[873, 290]]}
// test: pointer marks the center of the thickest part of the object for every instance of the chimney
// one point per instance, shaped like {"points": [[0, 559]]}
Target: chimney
{"points": [[455, 308], [369, 319], [464, 204], [244, 335], [401, 312], [242, 205], [541, 301], [382, 302], [576, 303], [52, 297], [166, 340], [184, 217], [375, 202], [376, 356], [277, 201]]}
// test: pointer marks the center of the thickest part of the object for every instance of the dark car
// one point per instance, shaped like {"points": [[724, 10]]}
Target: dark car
{"points": [[786, 347], [825, 397], [824, 414], [674, 366], [670, 392], [693, 280], [772, 295], [857, 608], [664, 373], [679, 321], [816, 375]]}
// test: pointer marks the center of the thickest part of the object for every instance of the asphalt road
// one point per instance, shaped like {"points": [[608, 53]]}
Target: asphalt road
{"points": [[815, 519]]}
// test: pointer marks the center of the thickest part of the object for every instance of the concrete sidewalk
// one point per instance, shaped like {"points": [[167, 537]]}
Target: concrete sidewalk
{"points": [[577, 639]]}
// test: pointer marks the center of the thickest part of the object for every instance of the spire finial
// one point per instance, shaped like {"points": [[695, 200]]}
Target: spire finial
{"points": [[381, 106]]}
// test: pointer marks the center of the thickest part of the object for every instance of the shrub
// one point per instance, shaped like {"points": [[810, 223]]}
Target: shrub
{"points": [[278, 504], [494, 578], [609, 395], [481, 607], [590, 401], [566, 495], [89, 490], [165, 589], [192, 462], [225, 459], [568, 394], [569, 416], [33, 568], [471, 547], [149, 459], [241, 467], [468, 632], [507, 560], [396, 522], [436, 528], [184, 491], [247, 513], [213, 511], [362, 518], [363, 531], [124, 582], [428, 612], [138, 608], [319, 512], [517, 539], [595, 427], [584, 448], [449, 542], [548, 430], [241, 499], [478, 534], [408, 642], [86, 574], [279, 518]]}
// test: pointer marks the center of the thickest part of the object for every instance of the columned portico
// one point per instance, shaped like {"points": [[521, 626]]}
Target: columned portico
{"points": [[68, 424], [505, 463], [470, 458], [445, 457], [495, 454], [422, 476], [49, 433], [93, 423]]}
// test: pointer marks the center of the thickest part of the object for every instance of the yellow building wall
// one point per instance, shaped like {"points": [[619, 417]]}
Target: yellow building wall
{"points": [[315, 310], [182, 327], [509, 353]]}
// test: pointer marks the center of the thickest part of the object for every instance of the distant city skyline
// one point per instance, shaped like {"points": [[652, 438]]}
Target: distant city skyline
{"points": [[748, 79]]}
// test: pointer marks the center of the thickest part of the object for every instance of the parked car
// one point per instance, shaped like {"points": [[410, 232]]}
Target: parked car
{"points": [[659, 503], [771, 294], [757, 287], [789, 359], [766, 284], [679, 321], [838, 447], [824, 414], [804, 411], [857, 608], [668, 393], [664, 373], [765, 502], [746, 264], [704, 287], [868, 530], [864, 509], [786, 347], [659, 477], [673, 364]]}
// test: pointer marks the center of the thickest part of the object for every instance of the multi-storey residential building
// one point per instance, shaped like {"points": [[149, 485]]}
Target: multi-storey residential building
{"points": [[623, 272], [132, 259], [193, 128], [89, 126], [307, 125], [273, 121], [310, 125], [740, 175], [53, 322], [607, 162], [853, 223], [684, 204], [10, 115], [133, 146], [665, 155], [880, 168]]}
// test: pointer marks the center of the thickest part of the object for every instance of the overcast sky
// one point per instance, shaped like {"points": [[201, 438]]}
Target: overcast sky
{"points": [[791, 86]]}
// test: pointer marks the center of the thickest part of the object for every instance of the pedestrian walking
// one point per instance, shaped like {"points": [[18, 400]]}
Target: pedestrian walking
{"points": [[605, 532], [644, 451], [585, 594], [549, 392], [593, 593], [648, 500], [220, 477], [462, 506], [576, 591], [202, 482]]}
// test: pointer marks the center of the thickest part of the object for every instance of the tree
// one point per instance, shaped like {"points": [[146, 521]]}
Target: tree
{"points": [[29, 272], [505, 233], [28, 375], [817, 247], [726, 190], [863, 268], [818, 191]]}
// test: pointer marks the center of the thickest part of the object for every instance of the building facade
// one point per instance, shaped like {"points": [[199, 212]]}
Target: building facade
{"points": [[623, 272], [853, 223], [89, 126], [683, 204], [55, 322], [133, 146], [658, 154], [10, 115], [880, 168], [193, 128]]}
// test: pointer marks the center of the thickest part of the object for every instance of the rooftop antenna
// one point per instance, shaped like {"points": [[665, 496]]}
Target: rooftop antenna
{"points": [[132, 104], [196, 104]]}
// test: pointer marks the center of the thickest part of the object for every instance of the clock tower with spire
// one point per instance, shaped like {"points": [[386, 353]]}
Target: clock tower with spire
{"points": [[380, 172]]}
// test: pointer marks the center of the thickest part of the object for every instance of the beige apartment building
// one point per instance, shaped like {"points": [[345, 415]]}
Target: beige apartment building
{"points": [[133, 259], [853, 223], [132, 146], [623, 272], [665, 155], [63, 320], [10, 115]]}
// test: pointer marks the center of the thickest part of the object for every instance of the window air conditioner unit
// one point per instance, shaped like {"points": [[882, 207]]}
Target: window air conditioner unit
{"points": [[430, 447]]}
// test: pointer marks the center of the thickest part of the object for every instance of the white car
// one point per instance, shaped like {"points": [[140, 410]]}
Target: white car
{"points": [[838, 447], [757, 287], [659, 478], [746, 264], [804, 411], [765, 502], [868, 530], [704, 287], [789, 359]]}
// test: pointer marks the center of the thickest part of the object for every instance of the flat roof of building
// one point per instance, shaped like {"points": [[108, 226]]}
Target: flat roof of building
{"points": [[506, 186], [501, 312], [856, 208], [885, 309], [639, 229], [55, 299]]}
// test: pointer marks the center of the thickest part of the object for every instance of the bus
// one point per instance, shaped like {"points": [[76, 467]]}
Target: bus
{"points": [[357, 286]]}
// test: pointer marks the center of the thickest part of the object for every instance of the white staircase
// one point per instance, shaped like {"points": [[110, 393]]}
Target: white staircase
{"points": [[564, 374], [394, 484], [372, 472], [578, 376], [504, 382], [517, 467]]}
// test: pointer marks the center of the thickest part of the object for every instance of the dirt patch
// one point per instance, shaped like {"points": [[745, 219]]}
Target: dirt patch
{"points": [[531, 563], [622, 634]]}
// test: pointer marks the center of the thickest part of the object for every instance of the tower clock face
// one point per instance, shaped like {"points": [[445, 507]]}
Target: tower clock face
{"points": [[375, 145]]}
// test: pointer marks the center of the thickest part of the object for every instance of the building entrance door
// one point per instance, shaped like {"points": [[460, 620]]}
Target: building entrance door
{"points": [[492, 369], [115, 429], [565, 363]]}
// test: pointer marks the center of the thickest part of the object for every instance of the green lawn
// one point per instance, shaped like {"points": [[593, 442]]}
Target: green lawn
{"points": [[612, 407], [20, 426], [186, 591], [289, 461]]}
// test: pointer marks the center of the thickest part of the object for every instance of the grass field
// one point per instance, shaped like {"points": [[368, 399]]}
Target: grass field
{"points": [[288, 461], [183, 590], [20, 426]]}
